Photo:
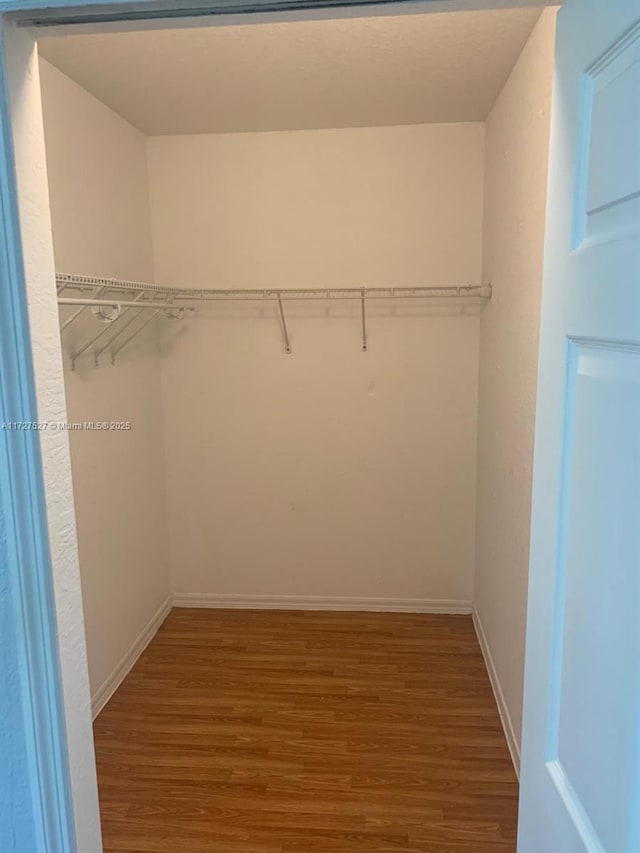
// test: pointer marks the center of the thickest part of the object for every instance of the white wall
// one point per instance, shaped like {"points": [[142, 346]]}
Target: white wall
{"points": [[328, 473], [26, 113], [97, 173], [517, 137]]}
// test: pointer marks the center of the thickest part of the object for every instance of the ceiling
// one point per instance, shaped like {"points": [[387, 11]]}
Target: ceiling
{"points": [[354, 72]]}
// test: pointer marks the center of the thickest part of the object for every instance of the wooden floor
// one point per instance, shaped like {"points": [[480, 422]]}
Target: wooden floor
{"points": [[247, 731]]}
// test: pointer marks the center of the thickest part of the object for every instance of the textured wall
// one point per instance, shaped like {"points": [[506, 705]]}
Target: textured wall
{"points": [[23, 74], [517, 138], [100, 216], [328, 472]]}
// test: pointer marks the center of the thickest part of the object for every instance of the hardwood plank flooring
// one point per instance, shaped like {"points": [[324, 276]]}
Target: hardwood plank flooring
{"points": [[296, 732]]}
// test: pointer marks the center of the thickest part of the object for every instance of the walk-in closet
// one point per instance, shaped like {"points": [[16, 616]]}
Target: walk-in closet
{"points": [[298, 267]]}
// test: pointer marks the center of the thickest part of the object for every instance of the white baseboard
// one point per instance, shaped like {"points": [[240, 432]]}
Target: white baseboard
{"points": [[301, 602], [111, 684], [503, 710]]}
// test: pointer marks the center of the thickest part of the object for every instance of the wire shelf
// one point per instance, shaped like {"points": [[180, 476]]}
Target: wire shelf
{"points": [[90, 283], [111, 298]]}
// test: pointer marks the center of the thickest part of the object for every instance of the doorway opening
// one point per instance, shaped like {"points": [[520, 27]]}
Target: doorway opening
{"points": [[337, 479]]}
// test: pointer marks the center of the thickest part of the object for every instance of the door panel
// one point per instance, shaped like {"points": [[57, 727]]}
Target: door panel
{"points": [[581, 736], [597, 591], [610, 123]]}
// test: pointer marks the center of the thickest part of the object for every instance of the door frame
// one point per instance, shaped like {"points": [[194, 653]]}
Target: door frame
{"points": [[56, 767]]}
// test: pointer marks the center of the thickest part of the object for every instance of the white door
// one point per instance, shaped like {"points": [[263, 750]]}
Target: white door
{"points": [[581, 745]]}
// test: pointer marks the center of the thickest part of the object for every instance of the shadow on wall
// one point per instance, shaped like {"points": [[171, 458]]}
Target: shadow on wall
{"points": [[313, 312], [91, 337]]}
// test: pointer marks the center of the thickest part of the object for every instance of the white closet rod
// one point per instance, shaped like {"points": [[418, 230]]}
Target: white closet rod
{"points": [[171, 301], [115, 303]]}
